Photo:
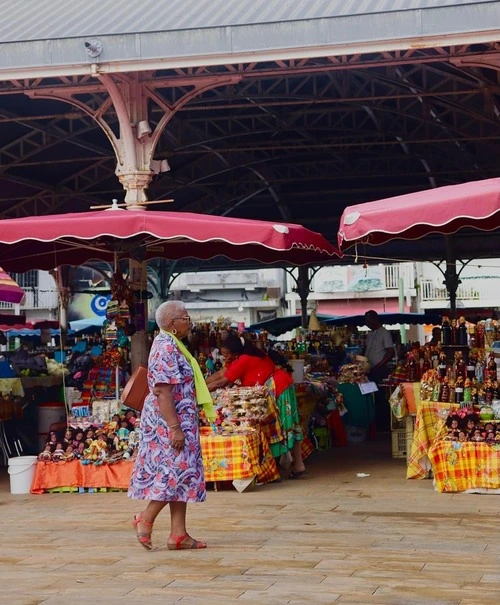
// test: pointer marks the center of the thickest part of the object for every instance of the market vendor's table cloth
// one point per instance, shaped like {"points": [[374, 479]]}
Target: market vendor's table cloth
{"points": [[225, 458], [239, 456], [430, 415], [52, 475], [458, 467], [360, 408]]}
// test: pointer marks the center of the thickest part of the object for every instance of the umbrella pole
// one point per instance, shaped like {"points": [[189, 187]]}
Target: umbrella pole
{"points": [[303, 282], [451, 278], [117, 369]]}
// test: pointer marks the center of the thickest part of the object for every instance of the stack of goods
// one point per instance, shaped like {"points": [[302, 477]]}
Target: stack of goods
{"points": [[240, 409], [114, 441], [467, 425], [355, 372], [467, 383], [460, 333]]}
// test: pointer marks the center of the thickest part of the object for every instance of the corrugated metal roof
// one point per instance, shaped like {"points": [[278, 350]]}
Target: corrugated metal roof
{"points": [[28, 20]]}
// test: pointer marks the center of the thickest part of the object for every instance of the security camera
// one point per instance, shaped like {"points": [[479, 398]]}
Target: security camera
{"points": [[94, 48]]}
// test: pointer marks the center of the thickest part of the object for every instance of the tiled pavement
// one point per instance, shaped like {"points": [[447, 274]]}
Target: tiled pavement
{"points": [[329, 537]]}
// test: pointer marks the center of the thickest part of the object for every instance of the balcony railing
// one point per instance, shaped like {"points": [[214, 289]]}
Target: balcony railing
{"points": [[36, 299], [393, 273], [430, 292]]}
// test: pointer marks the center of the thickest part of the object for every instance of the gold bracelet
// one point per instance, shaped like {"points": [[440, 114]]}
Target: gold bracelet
{"points": [[174, 426]]}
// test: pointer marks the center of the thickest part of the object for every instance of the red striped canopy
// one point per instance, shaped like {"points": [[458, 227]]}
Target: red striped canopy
{"points": [[442, 210], [9, 291], [45, 242]]}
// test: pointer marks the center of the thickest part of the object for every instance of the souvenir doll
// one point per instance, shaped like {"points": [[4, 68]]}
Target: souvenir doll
{"points": [[477, 436], [102, 449], [52, 439], [89, 437], [58, 453], [462, 436], [489, 427], [46, 455], [79, 453], [78, 439], [115, 422], [69, 454], [470, 424], [114, 440], [131, 418], [123, 433], [68, 438], [453, 428], [133, 439], [490, 437], [92, 451]]}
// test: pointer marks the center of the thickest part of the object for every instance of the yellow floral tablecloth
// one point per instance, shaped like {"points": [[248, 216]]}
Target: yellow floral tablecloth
{"points": [[458, 467], [238, 456], [429, 417]]}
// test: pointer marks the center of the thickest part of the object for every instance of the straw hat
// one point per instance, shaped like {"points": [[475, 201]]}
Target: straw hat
{"points": [[314, 324]]}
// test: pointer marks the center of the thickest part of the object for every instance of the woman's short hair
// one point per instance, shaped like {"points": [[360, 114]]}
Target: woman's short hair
{"points": [[168, 311]]}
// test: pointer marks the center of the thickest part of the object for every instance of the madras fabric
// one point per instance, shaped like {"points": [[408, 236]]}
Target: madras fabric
{"points": [[463, 466], [306, 447], [427, 424], [271, 425], [101, 382], [239, 456]]}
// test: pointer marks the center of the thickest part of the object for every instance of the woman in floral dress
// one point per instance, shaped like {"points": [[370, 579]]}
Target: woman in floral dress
{"points": [[168, 468]]}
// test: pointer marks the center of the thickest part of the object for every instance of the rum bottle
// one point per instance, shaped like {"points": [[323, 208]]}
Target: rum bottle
{"points": [[446, 331], [459, 366], [459, 390], [462, 332]]}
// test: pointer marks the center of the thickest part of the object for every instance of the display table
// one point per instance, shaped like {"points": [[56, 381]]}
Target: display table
{"points": [[360, 408], [225, 458], [429, 417], [459, 467], [73, 475], [242, 456]]}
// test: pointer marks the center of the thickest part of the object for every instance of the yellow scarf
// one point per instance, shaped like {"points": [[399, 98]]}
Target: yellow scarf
{"points": [[203, 396]]}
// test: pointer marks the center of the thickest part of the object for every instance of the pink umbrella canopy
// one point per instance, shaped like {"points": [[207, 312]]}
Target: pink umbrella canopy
{"points": [[442, 210], [10, 292], [45, 242]]}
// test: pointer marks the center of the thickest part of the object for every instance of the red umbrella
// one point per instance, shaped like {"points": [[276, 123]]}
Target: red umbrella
{"points": [[45, 242], [443, 210], [9, 291]]}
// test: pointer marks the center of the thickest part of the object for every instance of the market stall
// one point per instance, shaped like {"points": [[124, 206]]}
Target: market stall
{"points": [[459, 379], [225, 458], [465, 467]]}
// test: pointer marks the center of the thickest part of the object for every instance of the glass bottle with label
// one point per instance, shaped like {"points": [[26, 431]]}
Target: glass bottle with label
{"points": [[459, 390], [460, 368], [462, 332], [446, 331], [442, 365]]}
